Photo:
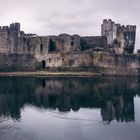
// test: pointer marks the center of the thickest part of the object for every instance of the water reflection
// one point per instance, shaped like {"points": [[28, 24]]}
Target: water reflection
{"points": [[113, 96]]}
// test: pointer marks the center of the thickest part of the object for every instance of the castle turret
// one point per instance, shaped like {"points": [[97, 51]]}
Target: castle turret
{"points": [[121, 38], [14, 29], [108, 29]]}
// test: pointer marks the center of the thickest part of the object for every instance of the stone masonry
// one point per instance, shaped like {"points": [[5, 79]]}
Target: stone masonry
{"points": [[119, 37], [20, 51]]}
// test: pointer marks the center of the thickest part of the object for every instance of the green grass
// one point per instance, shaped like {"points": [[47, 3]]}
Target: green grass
{"points": [[54, 74]]}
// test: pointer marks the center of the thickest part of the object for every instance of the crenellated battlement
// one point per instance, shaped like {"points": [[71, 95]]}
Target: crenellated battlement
{"points": [[12, 26], [11, 30], [122, 37], [4, 28], [107, 21], [128, 28], [119, 26]]}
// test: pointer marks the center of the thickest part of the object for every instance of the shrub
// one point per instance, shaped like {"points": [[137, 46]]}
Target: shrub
{"points": [[37, 65]]}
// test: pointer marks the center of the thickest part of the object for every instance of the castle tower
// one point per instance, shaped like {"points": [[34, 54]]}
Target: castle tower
{"points": [[14, 34], [121, 38], [15, 29], [108, 29]]}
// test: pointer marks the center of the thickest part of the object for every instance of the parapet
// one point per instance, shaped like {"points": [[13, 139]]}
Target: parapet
{"points": [[128, 28], [108, 21], [29, 35], [119, 26], [22, 34], [12, 30], [105, 21], [15, 25], [4, 28]]}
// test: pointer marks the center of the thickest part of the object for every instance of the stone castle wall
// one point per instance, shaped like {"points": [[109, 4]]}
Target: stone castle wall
{"points": [[117, 64], [16, 62], [114, 39], [110, 53], [12, 40], [102, 63]]}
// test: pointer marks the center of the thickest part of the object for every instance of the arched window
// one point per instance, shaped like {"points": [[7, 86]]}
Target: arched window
{"points": [[52, 46], [72, 43], [41, 48]]}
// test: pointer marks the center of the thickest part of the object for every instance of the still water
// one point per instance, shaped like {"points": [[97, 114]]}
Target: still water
{"points": [[100, 108]]}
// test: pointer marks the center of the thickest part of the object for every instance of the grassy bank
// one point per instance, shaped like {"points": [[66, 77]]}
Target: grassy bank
{"points": [[50, 74]]}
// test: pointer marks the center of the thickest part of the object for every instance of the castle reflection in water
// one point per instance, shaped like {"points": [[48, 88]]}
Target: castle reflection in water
{"points": [[113, 96]]}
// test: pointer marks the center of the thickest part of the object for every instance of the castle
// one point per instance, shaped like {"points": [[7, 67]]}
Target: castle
{"points": [[20, 51], [114, 39]]}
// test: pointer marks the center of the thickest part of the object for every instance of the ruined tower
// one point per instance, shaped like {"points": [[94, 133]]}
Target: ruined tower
{"points": [[121, 38], [108, 29], [9, 37]]}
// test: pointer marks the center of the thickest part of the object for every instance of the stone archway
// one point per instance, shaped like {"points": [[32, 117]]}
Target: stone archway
{"points": [[43, 62]]}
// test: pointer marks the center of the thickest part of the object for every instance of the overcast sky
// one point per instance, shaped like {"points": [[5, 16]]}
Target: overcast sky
{"points": [[83, 17]]}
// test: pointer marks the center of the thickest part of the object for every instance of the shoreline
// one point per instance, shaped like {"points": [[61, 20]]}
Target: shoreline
{"points": [[50, 74], [59, 74]]}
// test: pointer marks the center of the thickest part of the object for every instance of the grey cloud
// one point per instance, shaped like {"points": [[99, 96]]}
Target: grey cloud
{"points": [[83, 17]]}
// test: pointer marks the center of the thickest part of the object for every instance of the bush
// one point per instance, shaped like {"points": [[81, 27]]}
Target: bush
{"points": [[37, 65]]}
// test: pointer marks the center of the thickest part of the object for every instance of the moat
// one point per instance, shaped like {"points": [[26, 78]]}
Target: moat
{"points": [[99, 108]]}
